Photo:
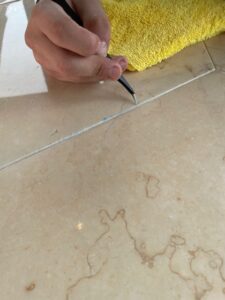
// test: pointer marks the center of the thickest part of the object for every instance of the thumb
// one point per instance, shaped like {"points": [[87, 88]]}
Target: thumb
{"points": [[94, 18]]}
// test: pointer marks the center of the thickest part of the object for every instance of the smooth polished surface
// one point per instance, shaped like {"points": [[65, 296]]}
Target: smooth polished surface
{"points": [[36, 111], [132, 209]]}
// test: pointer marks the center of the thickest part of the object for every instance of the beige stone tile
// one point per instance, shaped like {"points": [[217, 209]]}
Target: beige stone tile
{"points": [[35, 111], [131, 210]]}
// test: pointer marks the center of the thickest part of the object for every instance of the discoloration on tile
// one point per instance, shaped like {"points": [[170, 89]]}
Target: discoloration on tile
{"points": [[152, 184], [192, 271], [152, 188], [73, 286], [189, 68], [54, 132], [30, 287]]}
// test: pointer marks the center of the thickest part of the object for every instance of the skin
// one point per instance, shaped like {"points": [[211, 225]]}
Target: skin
{"points": [[69, 52]]}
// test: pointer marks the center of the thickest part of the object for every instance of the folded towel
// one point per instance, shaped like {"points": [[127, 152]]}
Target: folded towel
{"points": [[149, 31]]}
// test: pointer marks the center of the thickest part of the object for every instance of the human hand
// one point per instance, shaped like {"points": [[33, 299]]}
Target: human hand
{"points": [[67, 51]]}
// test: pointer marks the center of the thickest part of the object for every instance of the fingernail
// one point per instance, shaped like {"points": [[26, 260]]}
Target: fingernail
{"points": [[114, 72], [102, 48], [123, 63]]}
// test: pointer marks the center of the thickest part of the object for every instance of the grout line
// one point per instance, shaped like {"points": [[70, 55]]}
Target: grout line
{"points": [[103, 121], [209, 54]]}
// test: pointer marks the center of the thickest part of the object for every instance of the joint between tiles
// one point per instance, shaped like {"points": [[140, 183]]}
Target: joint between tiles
{"points": [[105, 120]]}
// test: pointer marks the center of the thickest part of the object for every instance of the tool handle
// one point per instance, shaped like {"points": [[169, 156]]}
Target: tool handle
{"points": [[70, 12]]}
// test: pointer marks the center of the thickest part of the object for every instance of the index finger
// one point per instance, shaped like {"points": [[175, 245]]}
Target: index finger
{"points": [[65, 33], [94, 17]]}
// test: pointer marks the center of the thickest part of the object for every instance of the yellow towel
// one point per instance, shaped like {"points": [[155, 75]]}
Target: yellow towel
{"points": [[148, 31]]}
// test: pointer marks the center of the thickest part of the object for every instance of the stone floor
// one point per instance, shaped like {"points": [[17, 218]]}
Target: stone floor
{"points": [[101, 199]]}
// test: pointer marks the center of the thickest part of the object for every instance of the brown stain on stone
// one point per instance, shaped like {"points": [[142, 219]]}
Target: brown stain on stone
{"points": [[196, 281], [27, 247], [189, 68], [73, 286], [162, 65], [152, 184], [30, 287], [102, 214], [152, 187], [217, 263], [54, 132]]}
